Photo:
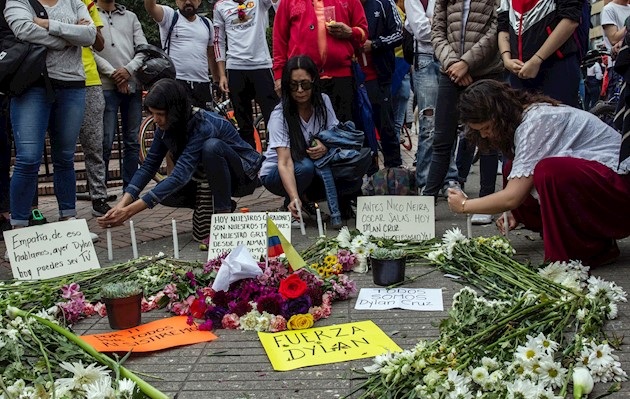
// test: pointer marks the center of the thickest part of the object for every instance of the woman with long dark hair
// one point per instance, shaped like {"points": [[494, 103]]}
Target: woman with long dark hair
{"points": [[198, 141], [304, 111], [565, 176]]}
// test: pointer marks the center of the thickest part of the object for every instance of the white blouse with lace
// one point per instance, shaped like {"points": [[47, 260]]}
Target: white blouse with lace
{"points": [[563, 131]]}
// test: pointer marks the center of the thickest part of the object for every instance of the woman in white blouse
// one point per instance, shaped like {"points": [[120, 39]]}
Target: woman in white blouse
{"points": [[565, 177]]}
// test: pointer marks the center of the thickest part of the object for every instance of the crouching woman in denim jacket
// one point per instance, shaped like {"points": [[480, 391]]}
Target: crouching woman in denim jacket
{"points": [[201, 143]]}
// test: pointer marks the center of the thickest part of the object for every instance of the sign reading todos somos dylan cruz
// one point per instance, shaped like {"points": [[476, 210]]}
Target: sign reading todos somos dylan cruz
{"points": [[50, 250]]}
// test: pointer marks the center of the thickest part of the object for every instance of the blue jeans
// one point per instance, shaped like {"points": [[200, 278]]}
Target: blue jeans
{"points": [[399, 101], [425, 82], [131, 116], [31, 114], [304, 171], [223, 169]]}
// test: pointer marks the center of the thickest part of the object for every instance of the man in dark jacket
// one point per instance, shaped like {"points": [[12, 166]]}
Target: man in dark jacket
{"points": [[377, 61]]}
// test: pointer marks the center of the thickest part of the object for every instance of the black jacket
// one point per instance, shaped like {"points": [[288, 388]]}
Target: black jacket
{"points": [[385, 32]]}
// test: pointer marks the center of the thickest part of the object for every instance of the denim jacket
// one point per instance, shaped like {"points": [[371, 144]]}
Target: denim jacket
{"points": [[202, 126], [343, 142]]}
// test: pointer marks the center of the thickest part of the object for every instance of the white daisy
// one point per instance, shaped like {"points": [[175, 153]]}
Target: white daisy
{"points": [[528, 353], [479, 375], [551, 373], [100, 389], [453, 236], [344, 237], [581, 314], [126, 386], [612, 311], [82, 375], [548, 345], [554, 271]]}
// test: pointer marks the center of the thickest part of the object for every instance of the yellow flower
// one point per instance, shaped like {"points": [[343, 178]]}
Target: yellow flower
{"points": [[241, 7], [300, 321], [330, 260]]}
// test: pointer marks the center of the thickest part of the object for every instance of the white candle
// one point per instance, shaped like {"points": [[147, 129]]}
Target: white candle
{"points": [[299, 211], [175, 239], [469, 225], [320, 226], [506, 225], [134, 246], [110, 251]]}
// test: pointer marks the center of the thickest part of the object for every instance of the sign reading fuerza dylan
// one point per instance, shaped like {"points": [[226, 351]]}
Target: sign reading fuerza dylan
{"points": [[50, 250], [397, 217]]}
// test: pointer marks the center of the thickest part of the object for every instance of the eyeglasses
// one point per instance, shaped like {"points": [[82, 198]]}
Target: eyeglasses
{"points": [[304, 84]]}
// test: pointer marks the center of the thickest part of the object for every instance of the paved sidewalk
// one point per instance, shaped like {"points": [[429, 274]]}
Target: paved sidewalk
{"points": [[236, 366]]}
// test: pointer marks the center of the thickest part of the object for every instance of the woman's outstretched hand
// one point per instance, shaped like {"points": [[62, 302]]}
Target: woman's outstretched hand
{"points": [[456, 199], [114, 217]]}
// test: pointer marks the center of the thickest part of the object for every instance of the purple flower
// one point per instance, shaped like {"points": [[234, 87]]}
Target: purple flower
{"points": [[191, 277], [206, 325], [240, 308], [248, 290], [315, 293], [71, 291], [215, 314], [270, 303], [190, 320], [220, 298], [299, 305]]}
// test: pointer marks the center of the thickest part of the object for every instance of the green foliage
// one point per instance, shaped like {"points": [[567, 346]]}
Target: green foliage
{"points": [[122, 289]]}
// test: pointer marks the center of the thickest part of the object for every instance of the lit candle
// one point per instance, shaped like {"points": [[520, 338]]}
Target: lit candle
{"points": [[110, 251], [320, 226], [175, 239], [506, 225], [469, 225], [299, 211], [134, 246]]}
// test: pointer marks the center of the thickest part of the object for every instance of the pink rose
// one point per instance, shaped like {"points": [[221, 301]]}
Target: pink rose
{"points": [[231, 321], [277, 323]]}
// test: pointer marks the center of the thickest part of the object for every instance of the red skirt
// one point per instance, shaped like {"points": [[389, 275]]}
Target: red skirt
{"points": [[584, 208]]}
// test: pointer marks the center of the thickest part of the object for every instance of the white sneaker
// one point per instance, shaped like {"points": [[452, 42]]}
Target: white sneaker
{"points": [[93, 236], [295, 223], [479, 219]]}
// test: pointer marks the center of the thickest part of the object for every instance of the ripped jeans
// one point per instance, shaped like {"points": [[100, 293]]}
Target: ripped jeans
{"points": [[426, 72]]}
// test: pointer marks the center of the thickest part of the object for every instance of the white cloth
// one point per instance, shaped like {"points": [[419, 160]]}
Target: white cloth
{"points": [[418, 22], [279, 133], [246, 40], [189, 45], [563, 131], [595, 70], [614, 14]]}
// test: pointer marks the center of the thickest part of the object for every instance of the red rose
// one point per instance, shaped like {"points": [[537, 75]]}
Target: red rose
{"points": [[198, 308], [292, 287]]}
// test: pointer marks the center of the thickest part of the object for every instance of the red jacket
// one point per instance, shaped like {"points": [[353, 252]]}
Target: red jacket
{"points": [[296, 31]]}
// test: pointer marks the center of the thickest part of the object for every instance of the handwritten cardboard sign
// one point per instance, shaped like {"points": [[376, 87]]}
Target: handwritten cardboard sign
{"points": [[250, 229], [427, 299], [292, 349], [50, 250], [160, 334], [397, 217]]}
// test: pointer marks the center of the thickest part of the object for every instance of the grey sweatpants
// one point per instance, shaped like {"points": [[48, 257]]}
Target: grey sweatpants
{"points": [[91, 139]]}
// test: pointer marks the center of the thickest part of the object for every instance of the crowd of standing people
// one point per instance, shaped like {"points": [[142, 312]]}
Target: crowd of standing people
{"points": [[307, 91]]}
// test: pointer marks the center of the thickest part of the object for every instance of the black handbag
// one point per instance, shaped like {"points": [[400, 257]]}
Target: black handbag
{"points": [[22, 63]]}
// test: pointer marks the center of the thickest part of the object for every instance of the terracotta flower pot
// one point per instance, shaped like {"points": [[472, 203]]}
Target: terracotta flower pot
{"points": [[388, 271], [124, 313]]}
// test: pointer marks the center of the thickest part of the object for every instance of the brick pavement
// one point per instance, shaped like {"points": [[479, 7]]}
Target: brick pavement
{"points": [[235, 365]]}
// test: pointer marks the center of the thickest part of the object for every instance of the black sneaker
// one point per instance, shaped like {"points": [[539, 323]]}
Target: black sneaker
{"points": [[309, 209], [100, 207]]}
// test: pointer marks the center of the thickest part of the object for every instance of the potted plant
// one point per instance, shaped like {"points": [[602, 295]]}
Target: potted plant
{"points": [[123, 302], [388, 265]]}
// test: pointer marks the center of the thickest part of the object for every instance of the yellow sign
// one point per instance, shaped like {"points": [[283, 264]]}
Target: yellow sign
{"points": [[292, 349], [160, 334]]}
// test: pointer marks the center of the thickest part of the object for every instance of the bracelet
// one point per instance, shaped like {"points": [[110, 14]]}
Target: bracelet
{"points": [[506, 51], [541, 58], [464, 205]]}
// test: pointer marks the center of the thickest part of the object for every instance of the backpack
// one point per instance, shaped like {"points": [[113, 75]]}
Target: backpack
{"points": [[409, 42], [392, 181], [167, 42]]}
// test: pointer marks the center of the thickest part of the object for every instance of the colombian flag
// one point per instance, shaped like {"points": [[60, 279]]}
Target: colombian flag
{"points": [[277, 244]]}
